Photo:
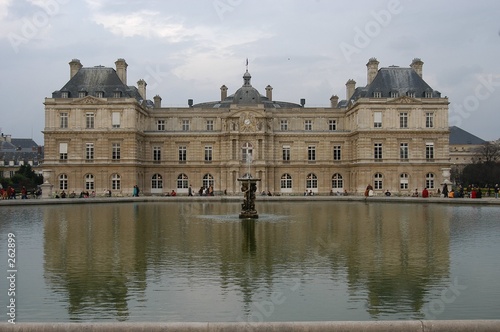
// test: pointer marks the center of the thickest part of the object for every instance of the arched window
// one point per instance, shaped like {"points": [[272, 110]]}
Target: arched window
{"points": [[208, 180], [311, 181], [63, 182], [246, 152], [156, 181], [115, 182], [377, 181], [182, 181], [89, 182], [286, 181], [429, 180], [337, 181], [403, 181]]}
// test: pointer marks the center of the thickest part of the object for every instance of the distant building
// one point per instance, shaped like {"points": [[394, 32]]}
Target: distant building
{"points": [[15, 152], [463, 147], [100, 133]]}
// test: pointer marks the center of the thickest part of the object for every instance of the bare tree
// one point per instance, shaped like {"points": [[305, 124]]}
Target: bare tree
{"points": [[488, 152]]}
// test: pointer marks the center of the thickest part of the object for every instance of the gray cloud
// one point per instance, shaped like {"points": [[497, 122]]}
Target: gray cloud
{"points": [[197, 46]]}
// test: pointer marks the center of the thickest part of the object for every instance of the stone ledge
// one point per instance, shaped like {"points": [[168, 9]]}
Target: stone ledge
{"points": [[351, 326], [234, 198]]}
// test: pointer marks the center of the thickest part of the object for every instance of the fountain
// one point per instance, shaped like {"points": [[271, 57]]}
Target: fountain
{"points": [[248, 187]]}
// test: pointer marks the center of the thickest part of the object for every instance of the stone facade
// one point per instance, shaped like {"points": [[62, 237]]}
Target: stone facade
{"points": [[101, 134]]}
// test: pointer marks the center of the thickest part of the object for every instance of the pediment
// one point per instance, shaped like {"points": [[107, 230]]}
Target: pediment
{"points": [[405, 100], [247, 121], [89, 100]]}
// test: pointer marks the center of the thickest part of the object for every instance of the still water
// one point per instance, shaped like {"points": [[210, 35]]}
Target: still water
{"points": [[196, 261]]}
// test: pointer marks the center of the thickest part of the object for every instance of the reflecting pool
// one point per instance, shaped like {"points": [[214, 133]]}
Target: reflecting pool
{"points": [[197, 261]]}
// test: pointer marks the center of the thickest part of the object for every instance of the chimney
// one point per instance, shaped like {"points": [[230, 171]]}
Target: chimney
{"points": [[269, 92], [302, 102], [334, 101], [141, 85], [350, 87], [74, 66], [372, 69], [190, 102], [417, 65], [121, 70], [223, 92], [157, 101], [7, 138]]}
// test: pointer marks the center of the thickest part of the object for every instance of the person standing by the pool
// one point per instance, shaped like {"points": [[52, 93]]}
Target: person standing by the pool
{"points": [[369, 190]]}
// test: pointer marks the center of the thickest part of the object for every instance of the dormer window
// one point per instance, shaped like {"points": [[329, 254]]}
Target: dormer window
{"points": [[394, 94], [428, 94], [377, 94], [410, 94], [99, 94], [82, 93], [117, 94], [64, 94]]}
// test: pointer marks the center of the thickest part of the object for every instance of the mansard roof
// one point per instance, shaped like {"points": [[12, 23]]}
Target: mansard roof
{"points": [[391, 80], [19, 149], [6, 156], [458, 136], [18, 144], [97, 79]]}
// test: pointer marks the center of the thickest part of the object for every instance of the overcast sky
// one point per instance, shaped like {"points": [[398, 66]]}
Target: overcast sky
{"points": [[302, 48]]}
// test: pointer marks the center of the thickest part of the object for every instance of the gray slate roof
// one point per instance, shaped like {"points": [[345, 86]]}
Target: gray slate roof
{"points": [[396, 79], [18, 149], [18, 144], [94, 79], [459, 136]]}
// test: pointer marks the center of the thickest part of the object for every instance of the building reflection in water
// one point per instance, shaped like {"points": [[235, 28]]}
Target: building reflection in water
{"points": [[102, 257]]}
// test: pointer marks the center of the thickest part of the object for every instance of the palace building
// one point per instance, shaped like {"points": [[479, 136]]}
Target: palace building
{"points": [[16, 152], [102, 134]]}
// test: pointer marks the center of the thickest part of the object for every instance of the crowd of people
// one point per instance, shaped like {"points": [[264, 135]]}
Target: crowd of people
{"points": [[11, 193], [459, 191], [471, 191]]}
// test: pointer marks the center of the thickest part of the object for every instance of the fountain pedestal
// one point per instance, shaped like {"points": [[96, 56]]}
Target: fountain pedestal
{"points": [[249, 188]]}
